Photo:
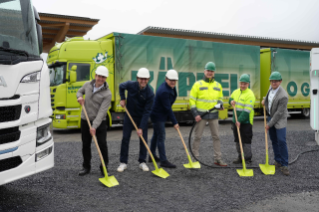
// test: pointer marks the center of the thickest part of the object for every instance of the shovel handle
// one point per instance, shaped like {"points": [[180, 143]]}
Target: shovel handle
{"points": [[180, 135], [240, 144], [266, 140], [94, 138], [141, 136]]}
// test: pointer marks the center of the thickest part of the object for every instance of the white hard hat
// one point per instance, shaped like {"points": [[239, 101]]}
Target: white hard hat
{"points": [[172, 74], [102, 71], [143, 73]]}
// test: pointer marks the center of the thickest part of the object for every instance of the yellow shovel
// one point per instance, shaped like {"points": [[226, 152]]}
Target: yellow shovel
{"points": [[158, 171], [266, 168], [191, 164], [242, 172], [109, 181]]}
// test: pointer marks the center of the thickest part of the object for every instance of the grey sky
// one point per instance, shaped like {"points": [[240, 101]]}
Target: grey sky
{"points": [[287, 19]]}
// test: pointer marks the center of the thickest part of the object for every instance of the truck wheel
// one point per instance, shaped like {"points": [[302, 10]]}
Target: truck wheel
{"points": [[305, 112]]}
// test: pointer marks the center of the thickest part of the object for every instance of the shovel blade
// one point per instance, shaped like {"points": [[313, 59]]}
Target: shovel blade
{"points": [[109, 181], [245, 172], [192, 165], [160, 173], [267, 169]]}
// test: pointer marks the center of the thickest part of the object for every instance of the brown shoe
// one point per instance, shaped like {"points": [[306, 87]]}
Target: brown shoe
{"points": [[284, 170], [219, 162], [277, 165]]}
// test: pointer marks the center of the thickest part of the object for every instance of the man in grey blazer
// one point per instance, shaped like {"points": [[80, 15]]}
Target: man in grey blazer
{"points": [[276, 106]]}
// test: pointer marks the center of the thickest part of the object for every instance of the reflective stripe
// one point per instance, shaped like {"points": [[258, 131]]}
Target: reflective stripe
{"points": [[241, 104], [246, 110], [204, 111], [251, 106], [204, 100], [216, 89], [203, 88]]}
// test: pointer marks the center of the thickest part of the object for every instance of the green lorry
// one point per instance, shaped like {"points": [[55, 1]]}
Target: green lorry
{"points": [[124, 54]]}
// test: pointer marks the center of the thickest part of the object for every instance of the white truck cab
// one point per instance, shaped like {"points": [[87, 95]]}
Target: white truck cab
{"points": [[26, 145]]}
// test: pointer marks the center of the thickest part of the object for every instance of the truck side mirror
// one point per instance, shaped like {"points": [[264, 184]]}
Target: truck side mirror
{"points": [[73, 74]]}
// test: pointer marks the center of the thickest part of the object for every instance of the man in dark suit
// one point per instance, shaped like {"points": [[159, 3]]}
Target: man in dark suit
{"points": [[276, 106]]}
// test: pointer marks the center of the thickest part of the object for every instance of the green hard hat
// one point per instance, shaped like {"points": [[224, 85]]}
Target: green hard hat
{"points": [[210, 66], [275, 76], [244, 78]]}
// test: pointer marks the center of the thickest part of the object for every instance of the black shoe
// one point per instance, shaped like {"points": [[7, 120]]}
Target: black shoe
{"points": [[155, 157], [237, 161], [84, 171], [167, 164]]}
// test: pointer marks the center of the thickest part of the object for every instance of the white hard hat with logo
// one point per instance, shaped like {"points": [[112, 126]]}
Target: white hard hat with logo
{"points": [[172, 75], [102, 71], [143, 73]]}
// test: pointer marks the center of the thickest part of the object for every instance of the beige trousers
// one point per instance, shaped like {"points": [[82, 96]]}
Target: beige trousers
{"points": [[199, 128]]}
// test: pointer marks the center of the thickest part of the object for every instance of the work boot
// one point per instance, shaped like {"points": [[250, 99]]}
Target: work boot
{"points": [[284, 170], [155, 157], [144, 167], [84, 171], [238, 161], [167, 164], [277, 165], [122, 167], [219, 162]]}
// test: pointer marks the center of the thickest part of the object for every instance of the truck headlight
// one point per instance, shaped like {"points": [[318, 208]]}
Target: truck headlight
{"points": [[34, 77], [59, 116], [43, 134]]}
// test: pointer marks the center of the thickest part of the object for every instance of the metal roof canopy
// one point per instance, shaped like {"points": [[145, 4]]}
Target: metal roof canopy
{"points": [[229, 38], [56, 27]]}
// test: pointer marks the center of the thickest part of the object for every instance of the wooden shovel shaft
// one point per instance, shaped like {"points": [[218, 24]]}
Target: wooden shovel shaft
{"points": [[141, 136], [180, 135], [240, 144], [94, 138], [266, 139]]}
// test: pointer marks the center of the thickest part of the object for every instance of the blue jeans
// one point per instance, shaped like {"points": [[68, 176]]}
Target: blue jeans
{"points": [[158, 140], [279, 145], [127, 131]]}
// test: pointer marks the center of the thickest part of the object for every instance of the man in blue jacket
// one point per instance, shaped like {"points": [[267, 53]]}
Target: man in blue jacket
{"points": [[139, 104], [162, 110]]}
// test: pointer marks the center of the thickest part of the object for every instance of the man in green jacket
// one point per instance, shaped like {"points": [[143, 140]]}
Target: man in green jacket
{"points": [[243, 99]]}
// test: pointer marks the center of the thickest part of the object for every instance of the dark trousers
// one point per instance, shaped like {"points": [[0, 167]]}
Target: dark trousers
{"points": [[279, 144], [127, 131], [158, 140], [246, 133], [87, 139]]}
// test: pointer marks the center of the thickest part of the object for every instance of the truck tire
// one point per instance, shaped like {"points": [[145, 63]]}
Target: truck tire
{"points": [[305, 112]]}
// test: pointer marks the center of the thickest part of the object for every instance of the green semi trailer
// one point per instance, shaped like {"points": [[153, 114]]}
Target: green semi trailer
{"points": [[124, 54]]}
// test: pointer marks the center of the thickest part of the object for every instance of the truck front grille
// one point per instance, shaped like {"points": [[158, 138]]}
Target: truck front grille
{"points": [[9, 135], [10, 113], [10, 163]]}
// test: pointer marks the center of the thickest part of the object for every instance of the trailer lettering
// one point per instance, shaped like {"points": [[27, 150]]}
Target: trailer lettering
{"points": [[305, 89], [292, 85]]}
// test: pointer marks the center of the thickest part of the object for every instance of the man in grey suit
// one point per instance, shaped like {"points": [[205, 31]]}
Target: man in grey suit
{"points": [[276, 106]]}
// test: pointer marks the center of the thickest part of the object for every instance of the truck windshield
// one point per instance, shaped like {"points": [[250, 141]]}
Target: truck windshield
{"points": [[57, 75], [18, 31]]}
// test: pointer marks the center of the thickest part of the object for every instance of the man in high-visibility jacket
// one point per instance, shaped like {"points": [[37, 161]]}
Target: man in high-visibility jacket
{"points": [[205, 94], [243, 99]]}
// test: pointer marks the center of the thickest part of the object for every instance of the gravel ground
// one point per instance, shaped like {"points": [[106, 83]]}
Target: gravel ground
{"points": [[206, 189]]}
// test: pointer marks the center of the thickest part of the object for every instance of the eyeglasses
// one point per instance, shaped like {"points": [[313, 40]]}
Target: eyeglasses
{"points": [[145, 79]]}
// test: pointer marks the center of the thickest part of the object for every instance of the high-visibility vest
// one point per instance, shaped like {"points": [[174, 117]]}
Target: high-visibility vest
{"points": [[205, 94], [245, 101]]}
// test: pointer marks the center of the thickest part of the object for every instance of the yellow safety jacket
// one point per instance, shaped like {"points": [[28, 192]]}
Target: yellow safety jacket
{"points": [[204, 95], [245, 101]]}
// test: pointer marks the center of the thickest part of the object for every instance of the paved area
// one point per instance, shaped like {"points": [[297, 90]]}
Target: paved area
{"points": [[205, 189]]}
